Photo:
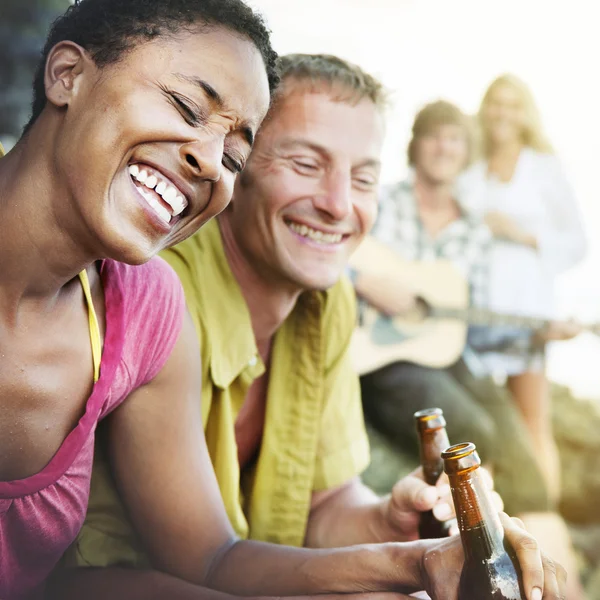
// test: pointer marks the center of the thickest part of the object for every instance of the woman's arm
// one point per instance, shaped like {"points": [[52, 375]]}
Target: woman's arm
{"points": [[164, 474], [563, 244]]}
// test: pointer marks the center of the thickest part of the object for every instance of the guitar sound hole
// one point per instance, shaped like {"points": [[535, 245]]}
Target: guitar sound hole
{"points": [[420, 312]]}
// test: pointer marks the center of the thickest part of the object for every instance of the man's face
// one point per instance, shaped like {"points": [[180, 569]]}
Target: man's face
{"points": [[149, 148], [309, 193], [441, 154]]}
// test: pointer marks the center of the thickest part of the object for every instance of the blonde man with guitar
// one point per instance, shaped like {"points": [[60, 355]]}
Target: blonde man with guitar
{"points": [[426, 362]]}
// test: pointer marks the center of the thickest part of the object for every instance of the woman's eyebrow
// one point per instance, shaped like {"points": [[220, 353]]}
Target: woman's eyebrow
{"points": [[216, 98], [206, 87]]}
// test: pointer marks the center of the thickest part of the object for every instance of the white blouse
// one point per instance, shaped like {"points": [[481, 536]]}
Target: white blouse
{"points": [[540, 199]]}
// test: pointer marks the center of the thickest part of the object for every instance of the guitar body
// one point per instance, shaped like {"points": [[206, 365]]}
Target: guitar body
{"points": [[435, 334], [432, 342]]}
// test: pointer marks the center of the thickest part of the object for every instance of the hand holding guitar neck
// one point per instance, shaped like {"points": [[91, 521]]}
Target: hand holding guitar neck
{"points": [[433, 330], [558, 331]]}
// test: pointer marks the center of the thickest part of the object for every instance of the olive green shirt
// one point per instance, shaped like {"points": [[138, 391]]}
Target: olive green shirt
{"points": [[314, 436]]}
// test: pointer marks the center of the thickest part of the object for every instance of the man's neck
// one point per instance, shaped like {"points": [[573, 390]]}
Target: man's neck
{"points": [[269, 302], [432, 195], [436, 205]]}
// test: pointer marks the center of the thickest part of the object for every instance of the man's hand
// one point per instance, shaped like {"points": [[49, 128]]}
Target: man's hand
{"points": [[411, 496], [542, 577], [506, 228], [558, 331]]}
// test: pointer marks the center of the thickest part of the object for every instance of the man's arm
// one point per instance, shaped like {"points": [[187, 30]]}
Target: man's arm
{"points": [[353, 514], [388, 295], [384, 287]]}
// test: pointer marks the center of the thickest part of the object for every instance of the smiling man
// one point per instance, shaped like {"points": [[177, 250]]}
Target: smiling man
{"points": [[280, 401]]}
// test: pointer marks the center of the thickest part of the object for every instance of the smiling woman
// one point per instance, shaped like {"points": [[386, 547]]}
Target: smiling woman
{"points": [[143, 114]]}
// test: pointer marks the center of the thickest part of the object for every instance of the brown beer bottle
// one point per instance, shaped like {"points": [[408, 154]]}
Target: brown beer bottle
{"points": [[433, 440], [491, 570]]}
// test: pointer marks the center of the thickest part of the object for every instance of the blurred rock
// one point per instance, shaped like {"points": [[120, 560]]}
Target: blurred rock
{"points": [[577, 431]]}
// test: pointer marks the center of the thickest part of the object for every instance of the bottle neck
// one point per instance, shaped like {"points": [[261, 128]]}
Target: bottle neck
{"points": [[478, 521], [433, 443]]}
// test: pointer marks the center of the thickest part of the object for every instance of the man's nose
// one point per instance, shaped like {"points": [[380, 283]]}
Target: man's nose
{"points": [[335, 198]]}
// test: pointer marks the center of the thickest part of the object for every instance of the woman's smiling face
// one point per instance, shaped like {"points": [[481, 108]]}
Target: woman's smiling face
{"points": [[147, 149]]}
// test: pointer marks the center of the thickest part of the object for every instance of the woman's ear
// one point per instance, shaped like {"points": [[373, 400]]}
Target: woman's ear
{"points": [[64, 66]]}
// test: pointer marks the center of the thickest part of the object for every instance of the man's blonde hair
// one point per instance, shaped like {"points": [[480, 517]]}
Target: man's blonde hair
{"points": [[317, 73], [533, 134]]}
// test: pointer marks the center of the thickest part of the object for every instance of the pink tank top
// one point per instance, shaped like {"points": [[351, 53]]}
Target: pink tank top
{"points": [[41, 515]]}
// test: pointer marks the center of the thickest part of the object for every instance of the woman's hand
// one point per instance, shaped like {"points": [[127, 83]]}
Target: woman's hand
{"points": [[504, 227], [543, 579]]}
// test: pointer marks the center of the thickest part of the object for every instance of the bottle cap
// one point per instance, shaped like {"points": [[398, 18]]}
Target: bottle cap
{"points": [[461, 458], [430, 418]]}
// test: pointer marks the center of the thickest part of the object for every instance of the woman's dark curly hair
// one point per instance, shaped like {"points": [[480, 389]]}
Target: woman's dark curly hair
{"points": [[107, 29]]}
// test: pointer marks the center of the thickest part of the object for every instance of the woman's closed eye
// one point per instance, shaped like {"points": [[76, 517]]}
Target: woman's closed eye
{"points": [[188, 109]]}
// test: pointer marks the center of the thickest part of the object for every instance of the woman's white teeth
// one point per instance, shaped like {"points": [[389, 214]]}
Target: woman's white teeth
{"points": [[160, 188], [141, 176], [151, 182], [316, 235], [160, 210], [169, 194]]}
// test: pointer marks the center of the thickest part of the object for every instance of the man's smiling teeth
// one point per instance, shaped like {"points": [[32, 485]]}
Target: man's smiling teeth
{"points": [[164, 189], [316, 235]]}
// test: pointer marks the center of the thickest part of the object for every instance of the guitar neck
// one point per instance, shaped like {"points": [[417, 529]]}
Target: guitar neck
{"points": [[480, 316]]}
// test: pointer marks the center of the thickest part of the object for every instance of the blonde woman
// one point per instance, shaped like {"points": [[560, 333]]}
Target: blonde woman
{"points": [[530, 207]]}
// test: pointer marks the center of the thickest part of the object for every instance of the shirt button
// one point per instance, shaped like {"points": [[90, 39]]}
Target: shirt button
{"points": [[252, 362]]}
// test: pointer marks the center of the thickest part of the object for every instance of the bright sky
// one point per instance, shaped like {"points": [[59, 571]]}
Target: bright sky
{"points": [[428, 49]]}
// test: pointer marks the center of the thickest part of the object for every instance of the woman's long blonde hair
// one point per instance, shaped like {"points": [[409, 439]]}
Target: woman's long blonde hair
{"points": [[533, 133]]}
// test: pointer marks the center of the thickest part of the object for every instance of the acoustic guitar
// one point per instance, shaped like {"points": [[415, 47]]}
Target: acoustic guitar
{"points": [[435, 333]]}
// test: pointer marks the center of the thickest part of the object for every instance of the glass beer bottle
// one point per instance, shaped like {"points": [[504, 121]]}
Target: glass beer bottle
{"points": [[491, 570], [433, 440]]}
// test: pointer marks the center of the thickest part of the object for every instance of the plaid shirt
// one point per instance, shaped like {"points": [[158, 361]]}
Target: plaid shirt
{"points": [[466, 241]]}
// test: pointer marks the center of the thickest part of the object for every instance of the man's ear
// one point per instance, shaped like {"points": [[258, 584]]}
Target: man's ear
{"points": [[65, 63]]}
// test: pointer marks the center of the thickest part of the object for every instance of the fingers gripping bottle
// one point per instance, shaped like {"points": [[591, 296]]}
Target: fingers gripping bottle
{"points": [[491, 570]]}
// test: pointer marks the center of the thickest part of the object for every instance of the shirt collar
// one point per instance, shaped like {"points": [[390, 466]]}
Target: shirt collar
{"points": [[223, 309], [227, 323]]}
